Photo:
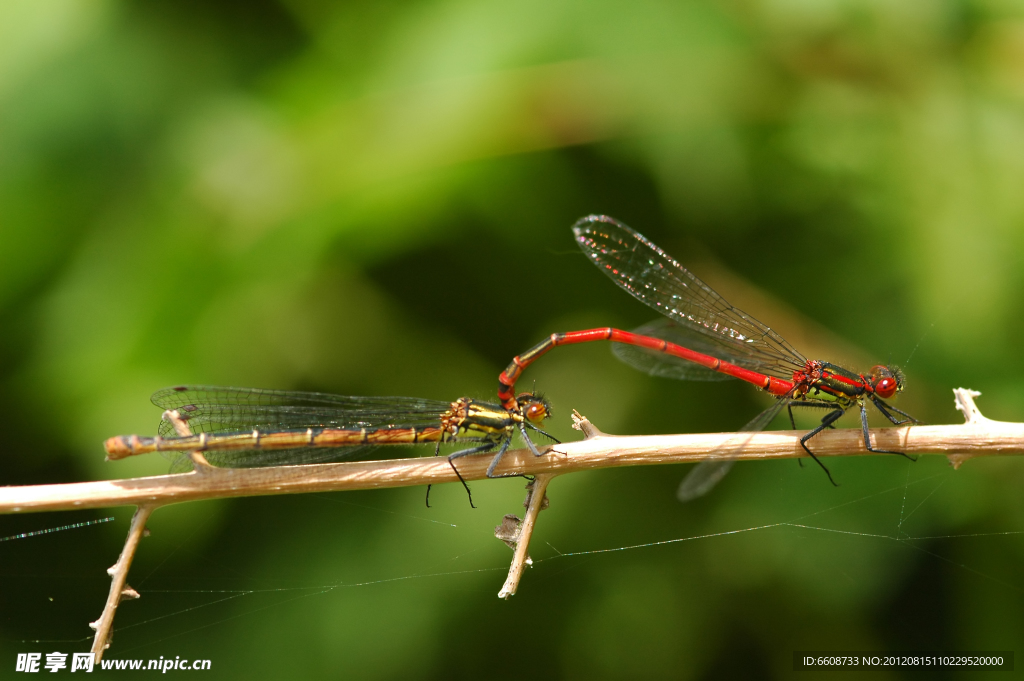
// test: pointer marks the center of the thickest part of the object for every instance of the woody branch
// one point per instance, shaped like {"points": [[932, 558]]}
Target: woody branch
{"points": [[977, 437]]}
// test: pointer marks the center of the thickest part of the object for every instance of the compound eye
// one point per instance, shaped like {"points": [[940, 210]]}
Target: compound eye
{"points": [[886, 387], [880, 371], [535, 412]]}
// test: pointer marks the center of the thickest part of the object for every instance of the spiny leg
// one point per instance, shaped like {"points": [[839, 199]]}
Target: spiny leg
{"points": [[886, 408], [813, 405], [867, 436], [827, 421], [508, 441], [437, 452], [486, 447], [792, 422], [497, 459], [808, 405], [529, 443], [909, 418], [475, 450], [542, 432], [504, 448]]}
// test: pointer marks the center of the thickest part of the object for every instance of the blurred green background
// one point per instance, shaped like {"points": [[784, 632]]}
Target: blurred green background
{"points": [[374, 198]]}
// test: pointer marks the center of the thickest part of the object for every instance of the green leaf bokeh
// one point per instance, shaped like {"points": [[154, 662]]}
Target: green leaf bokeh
{"points": [[375, 198]]}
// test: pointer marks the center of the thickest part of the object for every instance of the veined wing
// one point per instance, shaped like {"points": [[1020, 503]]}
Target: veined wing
{"points": [[669, 366], [709, 472], [209, 409], [253, 458], [656, 279], [214, 409]]}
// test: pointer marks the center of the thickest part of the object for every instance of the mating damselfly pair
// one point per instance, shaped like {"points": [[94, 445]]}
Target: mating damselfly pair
{"points": [[701, 337]]}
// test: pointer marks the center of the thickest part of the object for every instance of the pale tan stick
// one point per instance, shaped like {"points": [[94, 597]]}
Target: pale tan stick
{"points": [[979, 436], [118, 582], [975, 438], [119, 589], [535, 503], [520, 559]]}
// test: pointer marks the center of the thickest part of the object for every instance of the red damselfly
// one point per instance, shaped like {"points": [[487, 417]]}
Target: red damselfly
{"points": [[703, 337], [248, 427]]}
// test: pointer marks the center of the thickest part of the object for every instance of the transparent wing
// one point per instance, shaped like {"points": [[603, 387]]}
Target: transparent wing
{"points": [[653, 277], [710, 472], [669, 366], [666, 366], [181, 463], [212, 409]]}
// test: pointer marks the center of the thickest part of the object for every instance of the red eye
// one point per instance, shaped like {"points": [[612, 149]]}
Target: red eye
{"points": [[886, 387]]}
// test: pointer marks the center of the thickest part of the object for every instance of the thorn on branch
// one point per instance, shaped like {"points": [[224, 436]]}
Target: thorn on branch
{"points": [[581, 423], [964, 401], [977, 437], [119, 589]]}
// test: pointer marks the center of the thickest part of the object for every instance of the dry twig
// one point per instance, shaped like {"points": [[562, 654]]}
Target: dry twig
{"points": [[535, 503], [119, 588], [979, 436]]}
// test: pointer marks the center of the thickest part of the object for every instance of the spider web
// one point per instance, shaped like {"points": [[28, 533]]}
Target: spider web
{"points": [[178, 608]]}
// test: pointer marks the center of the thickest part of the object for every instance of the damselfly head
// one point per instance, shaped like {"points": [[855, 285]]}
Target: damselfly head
{"points": [[534, 407], [887, 380]]}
